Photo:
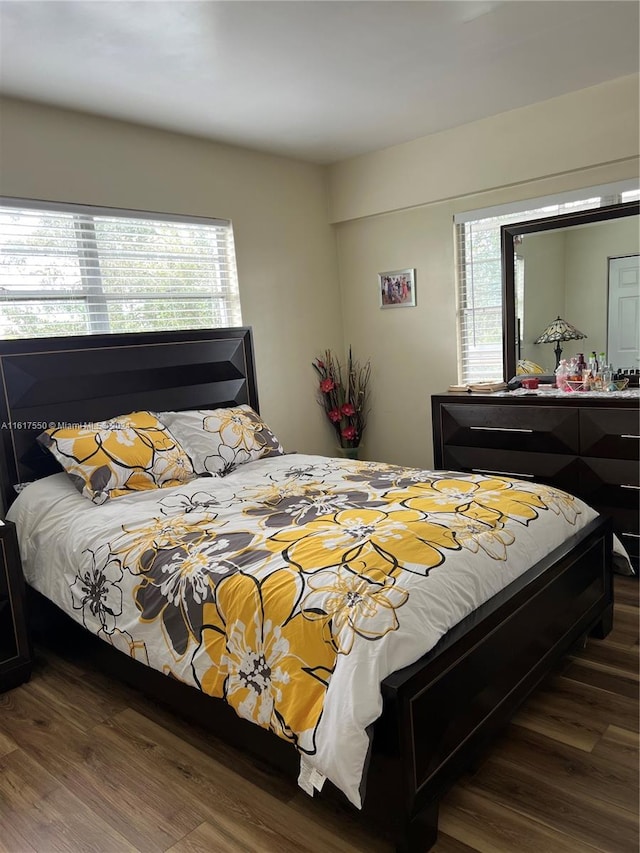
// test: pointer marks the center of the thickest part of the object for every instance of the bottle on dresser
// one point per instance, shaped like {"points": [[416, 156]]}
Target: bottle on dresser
{"points": [[591, 377]]}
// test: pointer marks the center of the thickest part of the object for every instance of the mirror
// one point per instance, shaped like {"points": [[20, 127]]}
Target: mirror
{"points": [[566, 266]]}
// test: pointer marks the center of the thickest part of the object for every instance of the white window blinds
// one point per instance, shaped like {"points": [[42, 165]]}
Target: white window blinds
{"points": [[479, 272], [73, 270]]}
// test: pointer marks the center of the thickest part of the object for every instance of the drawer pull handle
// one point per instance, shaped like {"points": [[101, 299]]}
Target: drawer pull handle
{"points": [[504, 429], [624, 486], [501, 473], [632, 535], [622, 436]]}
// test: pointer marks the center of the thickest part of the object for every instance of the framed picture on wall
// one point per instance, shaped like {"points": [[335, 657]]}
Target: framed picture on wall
{"points": [[397, 289]]}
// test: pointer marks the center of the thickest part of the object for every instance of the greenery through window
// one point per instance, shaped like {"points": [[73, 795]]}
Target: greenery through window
{"points": [[72, 270]]}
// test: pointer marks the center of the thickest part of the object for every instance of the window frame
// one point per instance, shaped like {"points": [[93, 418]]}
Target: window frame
{"points": [[92, 293]]}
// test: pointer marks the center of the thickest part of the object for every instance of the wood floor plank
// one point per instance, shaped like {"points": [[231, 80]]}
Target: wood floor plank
{"points": [[243, 764], [574, 714], [101, 772], [599, 705], [339, 820], [227, 836], [615, 659], [12, 843], [7, 744], [539, 797], [204, 839], [99, 699], [46, 816], [490, 827], [447, 844], [199, 776], [626, 631], [623, 736], [602, 678], [541, 715], [586, 774], [620, 747], [626, 590]]}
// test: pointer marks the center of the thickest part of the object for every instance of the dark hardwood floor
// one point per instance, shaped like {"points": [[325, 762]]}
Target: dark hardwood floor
{"points": [[88, 765]]}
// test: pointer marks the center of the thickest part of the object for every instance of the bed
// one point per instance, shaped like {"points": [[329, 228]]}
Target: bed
{"points": [[436, 688]]}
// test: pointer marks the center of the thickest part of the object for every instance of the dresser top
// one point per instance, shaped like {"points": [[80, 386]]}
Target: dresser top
{"points": [[628, 399]]}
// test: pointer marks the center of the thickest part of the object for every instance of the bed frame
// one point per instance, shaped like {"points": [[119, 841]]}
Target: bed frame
{"points": [[439, 713]]}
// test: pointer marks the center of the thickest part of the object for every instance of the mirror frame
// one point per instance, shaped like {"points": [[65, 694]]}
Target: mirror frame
{"points": [[508, 233]]}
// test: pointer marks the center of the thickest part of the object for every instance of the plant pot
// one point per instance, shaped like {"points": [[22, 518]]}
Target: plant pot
{"points": [[348, 452]]}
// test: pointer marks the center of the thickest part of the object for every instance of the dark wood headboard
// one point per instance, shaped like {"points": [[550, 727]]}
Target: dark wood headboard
{"points": [[75, 380]]}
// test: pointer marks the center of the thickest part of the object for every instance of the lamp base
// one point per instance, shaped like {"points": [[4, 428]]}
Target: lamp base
{"points": [[558, 352]]}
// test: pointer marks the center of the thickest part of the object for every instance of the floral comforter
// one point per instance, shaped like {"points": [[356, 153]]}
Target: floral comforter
{"points": [[293, 586]]}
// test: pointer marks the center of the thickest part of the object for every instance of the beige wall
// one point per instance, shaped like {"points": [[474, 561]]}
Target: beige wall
{"points": [[587, 277], [394, 209], [561, 135], [285, 247], [544, 293]]}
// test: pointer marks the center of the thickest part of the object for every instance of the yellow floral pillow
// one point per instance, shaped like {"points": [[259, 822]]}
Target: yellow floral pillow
{"points": [[526, 367], [127, 454], [218, 440]]}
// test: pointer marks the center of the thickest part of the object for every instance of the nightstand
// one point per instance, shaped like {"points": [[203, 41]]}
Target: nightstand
{"points": [[15, 646]]}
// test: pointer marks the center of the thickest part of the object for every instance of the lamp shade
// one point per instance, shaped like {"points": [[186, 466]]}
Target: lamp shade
{"points": [[559, 330]]}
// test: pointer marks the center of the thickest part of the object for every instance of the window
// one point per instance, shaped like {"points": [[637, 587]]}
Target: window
{"points": [[74, 270], [479, 272]]}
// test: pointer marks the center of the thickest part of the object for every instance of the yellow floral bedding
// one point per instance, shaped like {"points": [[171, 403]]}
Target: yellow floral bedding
{"points": [[292, 587]]}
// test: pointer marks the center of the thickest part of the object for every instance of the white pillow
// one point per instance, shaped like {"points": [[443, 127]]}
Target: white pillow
{"points": [[218, 440]]}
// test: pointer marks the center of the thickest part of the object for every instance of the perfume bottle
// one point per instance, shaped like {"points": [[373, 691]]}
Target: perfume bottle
{"points": [[562, 374]]}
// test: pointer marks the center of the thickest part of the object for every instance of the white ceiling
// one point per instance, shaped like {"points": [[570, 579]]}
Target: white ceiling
{"points": [[319, 81]]}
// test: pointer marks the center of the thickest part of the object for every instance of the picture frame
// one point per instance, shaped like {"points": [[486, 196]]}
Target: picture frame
{"points": [[397, 288]]}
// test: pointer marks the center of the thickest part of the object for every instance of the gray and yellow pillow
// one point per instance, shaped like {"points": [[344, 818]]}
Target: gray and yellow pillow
{"points": [[126, 454], [525, 367], [218, 440]]}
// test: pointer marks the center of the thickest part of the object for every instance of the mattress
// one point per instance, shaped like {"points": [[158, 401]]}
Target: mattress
{"points": [[293, 586]]}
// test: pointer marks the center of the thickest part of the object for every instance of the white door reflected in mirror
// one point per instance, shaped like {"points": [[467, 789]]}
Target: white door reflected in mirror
{"points": [[623, 330]]}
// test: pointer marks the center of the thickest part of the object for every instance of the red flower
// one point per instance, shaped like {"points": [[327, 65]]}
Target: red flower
{"points": [[327, 385], [334, 415], [349, 433], [348, 410]]}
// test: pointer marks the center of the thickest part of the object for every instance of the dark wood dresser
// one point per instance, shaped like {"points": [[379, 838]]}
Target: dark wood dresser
{"points": [[589, 446]]}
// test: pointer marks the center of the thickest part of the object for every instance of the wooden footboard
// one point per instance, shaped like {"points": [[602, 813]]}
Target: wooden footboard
{"points": [[442, 711], [446, 707]]}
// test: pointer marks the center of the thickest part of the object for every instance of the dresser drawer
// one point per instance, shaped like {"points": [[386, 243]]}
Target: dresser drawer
{"points": [[554, 469], [612, 486], [614, 481], [610, 433], [520, 428]]}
